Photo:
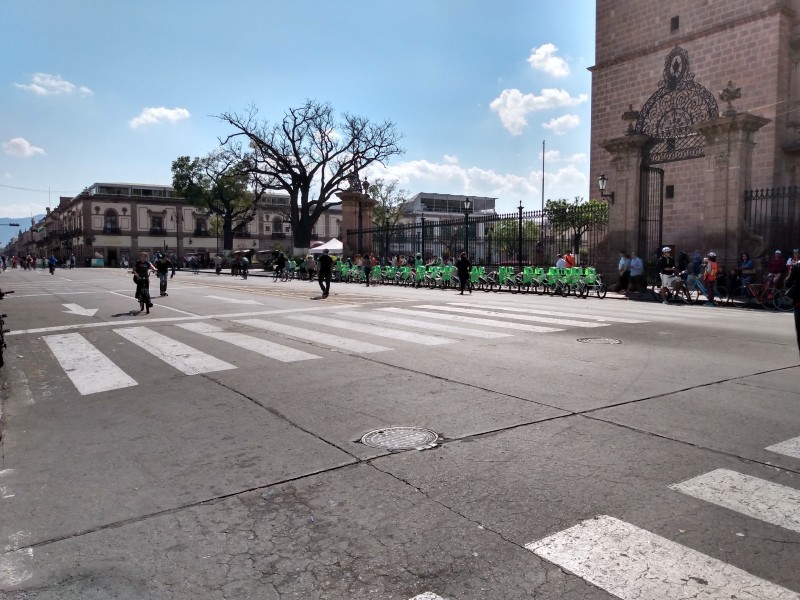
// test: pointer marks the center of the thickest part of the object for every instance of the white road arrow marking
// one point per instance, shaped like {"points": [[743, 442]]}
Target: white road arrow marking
{"points": [[234, 301], [76, 309]]}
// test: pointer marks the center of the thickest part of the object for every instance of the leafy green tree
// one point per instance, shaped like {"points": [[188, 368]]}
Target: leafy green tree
{"points": [[502, 238], [309, 154], [387, 212], [221, 185], [576, 217]]}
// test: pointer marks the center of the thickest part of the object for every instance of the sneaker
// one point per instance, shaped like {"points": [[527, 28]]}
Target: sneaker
{"points": [[664, 302]]}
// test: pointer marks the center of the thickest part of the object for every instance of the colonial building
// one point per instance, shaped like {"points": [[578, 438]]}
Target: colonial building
{"points": [[112, 222], [695, 106]]}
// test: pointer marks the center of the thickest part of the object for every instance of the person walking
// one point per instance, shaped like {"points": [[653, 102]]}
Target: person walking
{"points": [[710, 277], [636, 280], [218, 264], [463, 266], [793, 284], [163, 266], [366, 264], [325, 266]]}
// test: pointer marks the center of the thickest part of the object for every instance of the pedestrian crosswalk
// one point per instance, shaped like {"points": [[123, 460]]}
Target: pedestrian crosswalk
{"points": [[350, 331]]}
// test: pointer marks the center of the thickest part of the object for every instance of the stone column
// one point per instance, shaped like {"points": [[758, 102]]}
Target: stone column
{"points": [[355, 204], [624, 180], [729, 142]]}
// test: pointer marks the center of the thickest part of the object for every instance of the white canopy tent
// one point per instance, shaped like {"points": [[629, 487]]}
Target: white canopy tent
{"points": [[333, 246]]}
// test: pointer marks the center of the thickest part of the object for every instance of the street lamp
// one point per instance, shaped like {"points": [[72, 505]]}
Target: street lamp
{"points": [[467, 212], [519, 237], [602, 182]]}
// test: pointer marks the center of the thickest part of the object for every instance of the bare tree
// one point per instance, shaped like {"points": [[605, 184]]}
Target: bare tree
{"points": [[309, 155]]}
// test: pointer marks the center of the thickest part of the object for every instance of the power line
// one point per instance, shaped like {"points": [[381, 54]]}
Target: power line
{"points": [[24, 189]]}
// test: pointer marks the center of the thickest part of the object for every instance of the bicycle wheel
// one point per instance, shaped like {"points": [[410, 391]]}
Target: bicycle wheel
{"points": [[782, 301], [655, 290], [740, 297], [600, 290], [693, 294]]}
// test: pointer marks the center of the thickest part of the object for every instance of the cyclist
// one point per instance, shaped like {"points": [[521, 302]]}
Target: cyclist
{"points": [[163, 266], [280, 265], [244, 264], [666, 269]]}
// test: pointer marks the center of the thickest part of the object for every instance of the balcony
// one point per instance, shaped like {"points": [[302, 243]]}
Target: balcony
{"points": [[201, 233], [112, 230], [158, 231]]}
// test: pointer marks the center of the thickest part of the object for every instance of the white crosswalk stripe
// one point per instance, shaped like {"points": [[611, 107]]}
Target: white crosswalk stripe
{"points": [[323, 339], [186, 359], [751, 496], [634, 564], [550, 313], [427, 596], [380, 318], [505, 315], [248, 342], [472, 320], [89, 369], [395, 334], [788, 447]]}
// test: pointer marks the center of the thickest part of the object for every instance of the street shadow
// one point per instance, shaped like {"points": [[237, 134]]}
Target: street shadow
{"points": [[130, 313]]}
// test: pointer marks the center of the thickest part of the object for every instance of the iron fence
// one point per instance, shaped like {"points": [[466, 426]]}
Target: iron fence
{"points": [[772, 220], [525, 238]]}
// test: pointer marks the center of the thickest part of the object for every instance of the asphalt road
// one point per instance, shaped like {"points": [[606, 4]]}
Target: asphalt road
{"points": [[212, 449]]}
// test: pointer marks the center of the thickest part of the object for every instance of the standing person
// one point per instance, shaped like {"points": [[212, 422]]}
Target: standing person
{"points": [[311, 267], [560, 262], [775, 268], [666, 269], [141, 277], [51, 263], [793, 282], [366, 264], [569, 260], [163, 266], [746, 270], [218, 264], [72, 261], [636, 281], [463, 266], [624, 269], [710, 277], [325, 272]]}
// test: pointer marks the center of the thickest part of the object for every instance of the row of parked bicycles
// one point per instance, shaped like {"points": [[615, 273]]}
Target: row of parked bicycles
{"points": [[689, 289], [578, 281]]}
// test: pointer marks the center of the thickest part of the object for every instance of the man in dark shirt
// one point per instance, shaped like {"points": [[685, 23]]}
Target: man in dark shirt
{"points": [[793, 289], [163, 266], [463, 266], [666, 269], [325, 266]]}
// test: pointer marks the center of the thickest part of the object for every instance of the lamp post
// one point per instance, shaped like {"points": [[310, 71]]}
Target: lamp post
{"points": [[602, 182], [467, 212], [489, 232], [519, 237]]}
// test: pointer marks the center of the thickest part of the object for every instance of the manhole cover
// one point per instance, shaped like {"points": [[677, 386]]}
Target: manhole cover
{"points": [[400, 438], [599, 341]]}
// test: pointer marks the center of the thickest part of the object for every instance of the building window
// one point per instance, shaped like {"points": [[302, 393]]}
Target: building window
{"points": [[157, 222], [266, 227], [200, 225], [670, 191], [277, 224], [111, 220], [674, 24]]}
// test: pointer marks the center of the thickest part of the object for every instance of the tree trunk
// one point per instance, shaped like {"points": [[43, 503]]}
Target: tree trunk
{"points": [[227, 234]]}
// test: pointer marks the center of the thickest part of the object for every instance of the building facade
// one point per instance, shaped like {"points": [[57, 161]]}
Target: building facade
{"points": [[693, 104], [112, 222]]}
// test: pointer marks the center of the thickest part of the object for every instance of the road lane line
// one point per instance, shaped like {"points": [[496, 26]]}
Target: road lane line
{"points": [[424, 325], [325, 339], [395, 334], [427, 596], [757, 498], [634, 564], [248, 342], [551, 313], [494, 313], [90, 370], [788, 447], [186, 359], [471, 320]]}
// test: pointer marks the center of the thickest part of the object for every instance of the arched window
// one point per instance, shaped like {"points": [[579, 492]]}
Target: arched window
{"points": [[277, 224], [111, 221]]}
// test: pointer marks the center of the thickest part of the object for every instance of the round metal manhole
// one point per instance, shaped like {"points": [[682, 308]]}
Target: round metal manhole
{"points": [[599, 341], [400, 438]]}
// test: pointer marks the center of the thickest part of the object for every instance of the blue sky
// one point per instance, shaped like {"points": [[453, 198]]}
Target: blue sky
{"points": [[111, 90]]}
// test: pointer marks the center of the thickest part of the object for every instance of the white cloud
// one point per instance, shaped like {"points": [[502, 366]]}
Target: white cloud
{"points": [[544, 59], [159, 115], [513, 106], [21, 147], [509, 188], [450, 160], [578, 157], [560, 125], [44, 84], [551, 156]]}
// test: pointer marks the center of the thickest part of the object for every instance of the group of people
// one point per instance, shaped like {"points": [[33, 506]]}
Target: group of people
{"points": [[31, 262]]}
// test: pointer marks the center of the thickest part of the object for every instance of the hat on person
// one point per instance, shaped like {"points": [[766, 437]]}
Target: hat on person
{"points": [[796, 250], [712, 255], [666, 249], [778, 252]]}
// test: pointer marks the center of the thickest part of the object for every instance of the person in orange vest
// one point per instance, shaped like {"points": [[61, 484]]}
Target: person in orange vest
{"points": [[710, 277], [569, 259]]}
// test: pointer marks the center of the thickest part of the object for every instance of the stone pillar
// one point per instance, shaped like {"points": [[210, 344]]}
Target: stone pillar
{"points": [[624, 180], [357, 213], [729, 142]]}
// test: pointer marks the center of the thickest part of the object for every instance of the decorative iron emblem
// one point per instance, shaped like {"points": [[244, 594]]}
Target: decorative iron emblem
{"points": [[668, 115]]}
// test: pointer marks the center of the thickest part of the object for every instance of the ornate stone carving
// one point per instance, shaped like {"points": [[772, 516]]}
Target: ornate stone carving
{"points": [[729, 94]]}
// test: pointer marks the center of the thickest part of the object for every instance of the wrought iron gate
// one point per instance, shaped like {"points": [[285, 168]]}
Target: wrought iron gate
{"points": [[651, 213]]}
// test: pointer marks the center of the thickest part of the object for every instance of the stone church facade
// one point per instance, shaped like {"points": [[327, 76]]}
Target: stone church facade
{"points": [[695, 102]]}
